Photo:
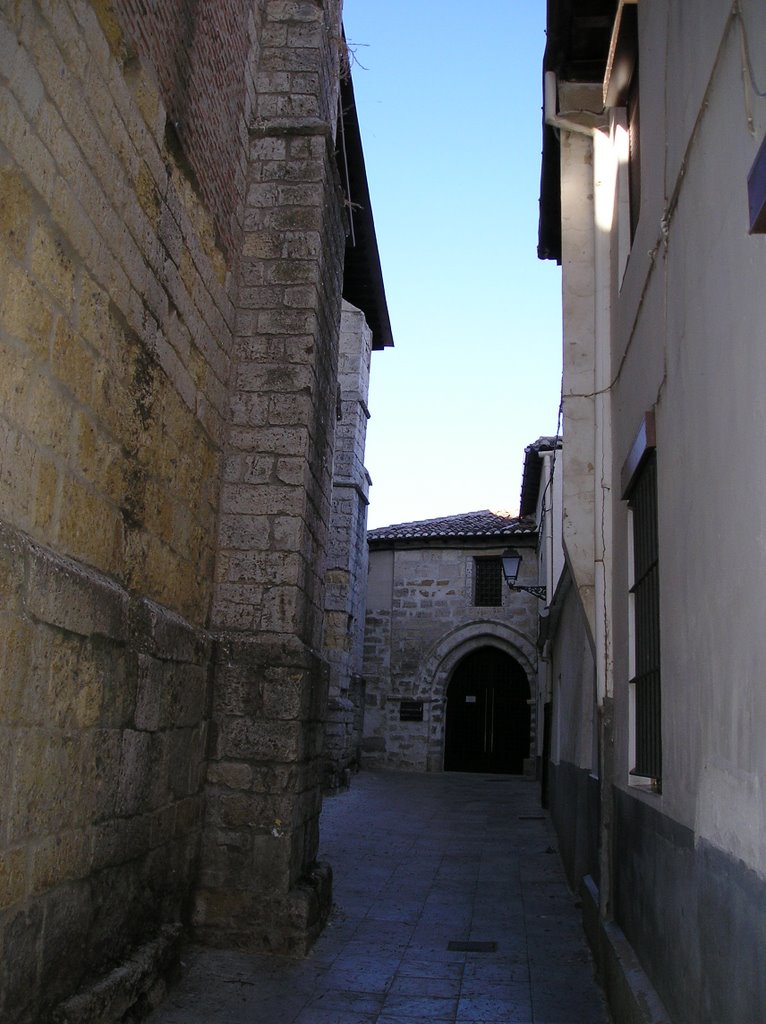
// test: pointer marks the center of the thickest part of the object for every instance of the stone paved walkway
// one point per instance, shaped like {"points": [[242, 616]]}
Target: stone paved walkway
{"points": [[420, 861]]}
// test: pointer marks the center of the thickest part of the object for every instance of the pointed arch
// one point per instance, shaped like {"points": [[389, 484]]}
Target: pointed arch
{"points": [[439, 664]]}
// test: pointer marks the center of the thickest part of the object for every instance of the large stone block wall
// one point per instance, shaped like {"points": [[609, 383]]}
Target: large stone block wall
{"points": [[115, 317], [171, 251], [346, 576], [260, 885], [101, 771]]}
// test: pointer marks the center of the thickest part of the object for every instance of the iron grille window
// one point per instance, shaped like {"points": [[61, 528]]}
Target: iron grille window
{"points": [[488, 582], [411, 711], [646, 622]]}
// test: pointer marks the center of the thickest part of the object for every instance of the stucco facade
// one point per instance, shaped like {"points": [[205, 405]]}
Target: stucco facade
{"points": [[174, 249], [423, 623], [649, 148]]}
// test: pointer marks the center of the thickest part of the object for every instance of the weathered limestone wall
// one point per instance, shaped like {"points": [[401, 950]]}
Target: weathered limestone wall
{"points": [[260, 885], [420, 621], [171, 252], [114, 339], [347, 559]]}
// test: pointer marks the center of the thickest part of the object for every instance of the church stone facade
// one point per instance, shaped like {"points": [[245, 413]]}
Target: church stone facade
{"points": [[450, 659], [176, 237]]}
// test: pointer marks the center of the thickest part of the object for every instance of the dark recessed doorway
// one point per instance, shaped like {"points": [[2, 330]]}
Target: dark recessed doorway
{"points": [[487, 725]]}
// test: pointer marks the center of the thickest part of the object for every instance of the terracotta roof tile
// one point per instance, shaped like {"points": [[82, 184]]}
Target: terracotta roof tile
{"points": [[469, 524]]}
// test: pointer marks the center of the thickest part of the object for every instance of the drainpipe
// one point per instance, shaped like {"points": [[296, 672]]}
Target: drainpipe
{"points": [[581, 119], [547, 520]]}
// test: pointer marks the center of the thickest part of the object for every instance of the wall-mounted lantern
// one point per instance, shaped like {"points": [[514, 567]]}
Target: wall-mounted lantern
{"points": [[511, 564]]}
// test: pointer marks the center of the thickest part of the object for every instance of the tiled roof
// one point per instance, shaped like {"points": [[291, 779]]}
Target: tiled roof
{"points": [[469, 524]]}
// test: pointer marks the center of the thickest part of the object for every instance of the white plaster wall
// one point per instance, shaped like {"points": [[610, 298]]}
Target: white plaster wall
{"points": [[690, 339], [574, 689], [578, 235]]}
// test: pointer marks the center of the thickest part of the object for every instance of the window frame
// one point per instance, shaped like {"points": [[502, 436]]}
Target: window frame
{"points": [[621, 89], [640, 490], [493, 585]]}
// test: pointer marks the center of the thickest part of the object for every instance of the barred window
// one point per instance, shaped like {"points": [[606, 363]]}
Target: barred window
{"points": [[645, 591], [411, 711], [488, 582]]}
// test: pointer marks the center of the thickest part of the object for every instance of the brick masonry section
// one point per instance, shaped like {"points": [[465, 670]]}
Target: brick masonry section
{"points": [[202, 55]]}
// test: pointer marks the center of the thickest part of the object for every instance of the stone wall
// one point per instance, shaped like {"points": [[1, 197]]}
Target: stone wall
{"points": [[260, 886], [421, 620], [114, 338], [346, 575], [171, 252], [103, 761]]}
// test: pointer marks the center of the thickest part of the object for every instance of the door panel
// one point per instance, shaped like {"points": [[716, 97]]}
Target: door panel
{"points": [[487, 727]]}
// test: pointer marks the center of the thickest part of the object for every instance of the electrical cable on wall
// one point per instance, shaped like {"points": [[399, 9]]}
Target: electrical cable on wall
{"points": [[747, 64]]}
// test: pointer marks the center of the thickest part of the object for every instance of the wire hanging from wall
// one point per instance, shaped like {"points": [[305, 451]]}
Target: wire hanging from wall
{"points": [[748, 76], [747, 64]]}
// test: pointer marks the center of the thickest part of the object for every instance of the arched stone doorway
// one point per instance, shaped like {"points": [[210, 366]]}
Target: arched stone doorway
{"points": [[487, 726]]}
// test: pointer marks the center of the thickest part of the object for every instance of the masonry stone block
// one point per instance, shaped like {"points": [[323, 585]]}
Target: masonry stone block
{"points": [[261, 741], [20, 959], [13, 877], [226, 860], [231, 775], [68, 916], [149, 695], [63, 594]]}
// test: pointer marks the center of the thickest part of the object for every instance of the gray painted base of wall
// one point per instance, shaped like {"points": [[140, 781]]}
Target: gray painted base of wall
{"points": [[687, 915], [574, 802], [631, 996], [574, 805], [693, 913]]}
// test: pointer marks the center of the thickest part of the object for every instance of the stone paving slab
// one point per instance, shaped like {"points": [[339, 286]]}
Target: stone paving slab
{"points": [[419, 861]]}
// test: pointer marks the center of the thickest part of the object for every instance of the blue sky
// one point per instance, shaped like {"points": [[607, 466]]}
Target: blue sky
{"points": [[449, 98]]}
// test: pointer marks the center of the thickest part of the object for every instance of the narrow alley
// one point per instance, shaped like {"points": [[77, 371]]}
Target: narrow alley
{"points": [[450, 908]]}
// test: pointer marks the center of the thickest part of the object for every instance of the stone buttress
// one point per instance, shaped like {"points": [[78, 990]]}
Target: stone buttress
{"points": [[260, 886]]}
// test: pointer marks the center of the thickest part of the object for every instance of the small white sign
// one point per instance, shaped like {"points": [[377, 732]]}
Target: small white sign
{"points": [[470, 700]]}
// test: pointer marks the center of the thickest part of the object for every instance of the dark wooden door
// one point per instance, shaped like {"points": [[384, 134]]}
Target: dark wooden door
{"points": [[487, 726]]}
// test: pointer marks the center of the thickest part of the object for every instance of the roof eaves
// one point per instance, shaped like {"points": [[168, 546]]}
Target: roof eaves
{"points": [[362, 273]]}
